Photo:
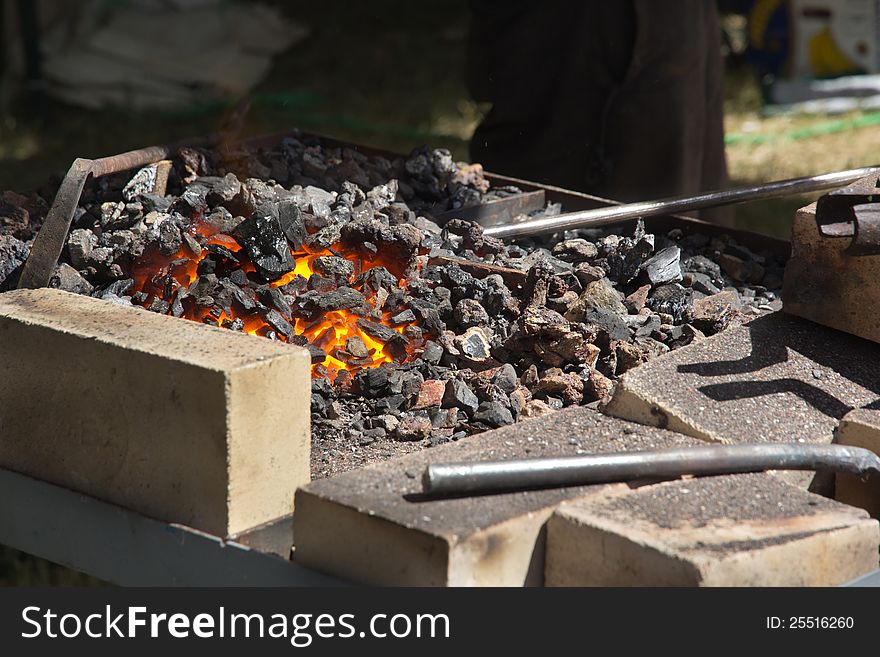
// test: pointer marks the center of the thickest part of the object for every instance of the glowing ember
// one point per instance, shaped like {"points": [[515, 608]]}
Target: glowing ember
{"points": [[174, 281]]}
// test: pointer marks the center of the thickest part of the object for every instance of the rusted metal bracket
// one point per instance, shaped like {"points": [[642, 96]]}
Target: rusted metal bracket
{"points": [[49, 242], [852, 212]]}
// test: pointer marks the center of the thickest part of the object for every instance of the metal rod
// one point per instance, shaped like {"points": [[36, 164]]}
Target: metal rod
{"points": [[497, 476], [623, 212]]}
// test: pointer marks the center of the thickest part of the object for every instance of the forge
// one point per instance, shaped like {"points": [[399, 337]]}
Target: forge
{"points": [[227, 329], [263, 280]]}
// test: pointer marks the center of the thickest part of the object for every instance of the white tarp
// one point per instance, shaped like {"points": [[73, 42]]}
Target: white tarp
{"points": [[163, 53]]}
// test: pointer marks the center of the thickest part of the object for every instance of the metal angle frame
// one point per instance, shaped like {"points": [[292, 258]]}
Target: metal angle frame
{"points": [[126, 548]]}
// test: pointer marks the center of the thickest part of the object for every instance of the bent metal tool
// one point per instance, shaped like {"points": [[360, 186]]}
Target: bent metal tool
{"points": [[450, 479], [616, 213]]}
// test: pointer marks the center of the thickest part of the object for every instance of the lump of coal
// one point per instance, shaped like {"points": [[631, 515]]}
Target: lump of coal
{"points": [[372, 382], [292, 225], [264, 242], [700, 282], [277, 322], [702, 265], [317, 354], [428, 316], [675, 300], [272, 296], [493, 414], [458, 395], [312, 304], [13, 253], [664, 266], [394, 342], [576, 250], [625, 255], [334, 267], [469, 313], [474, 344], [170, 239], [432, 353], [609, 324], [404, 317], [375, 279], [401, 241], [356, 347], [221, 190], [79, 245]]}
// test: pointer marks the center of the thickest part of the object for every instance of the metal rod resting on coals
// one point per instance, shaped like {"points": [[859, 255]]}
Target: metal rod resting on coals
{"points": [[498, 476], [616, 213]]}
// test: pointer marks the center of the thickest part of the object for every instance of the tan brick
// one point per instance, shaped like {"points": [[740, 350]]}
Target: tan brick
{"points": [[775, 379], [180, 421], [860, 428], [826, 285], [373, 526], [735, 530]]}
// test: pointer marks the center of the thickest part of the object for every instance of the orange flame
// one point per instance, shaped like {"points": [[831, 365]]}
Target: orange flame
{"points": [[329, 332]]}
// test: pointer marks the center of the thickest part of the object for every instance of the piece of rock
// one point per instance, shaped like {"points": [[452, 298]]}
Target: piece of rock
{"points": [[575, 250], [493, 414], [474, 344], [413, 427], [744, 271], [457, 394], [714, 313], [568, 386], [536, 408], [505, 378], [636, 301], [68, 279], [597, 386], [598, 294], [431, 393]]}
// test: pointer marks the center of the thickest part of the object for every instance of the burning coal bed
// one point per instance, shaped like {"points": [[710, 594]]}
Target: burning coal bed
{"points": [[419, 333]]}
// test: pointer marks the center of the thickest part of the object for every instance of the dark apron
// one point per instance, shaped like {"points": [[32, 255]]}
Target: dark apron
{"points": [[620, 98]]}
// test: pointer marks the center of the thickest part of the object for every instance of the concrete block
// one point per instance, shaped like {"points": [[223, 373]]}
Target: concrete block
{"points": [[373, 525], [775, 379], [734, 530], [860, 428], [824, 284], [177, 420]]}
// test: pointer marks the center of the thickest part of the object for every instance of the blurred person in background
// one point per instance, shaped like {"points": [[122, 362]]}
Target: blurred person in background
{"points": [[620, 98]]}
